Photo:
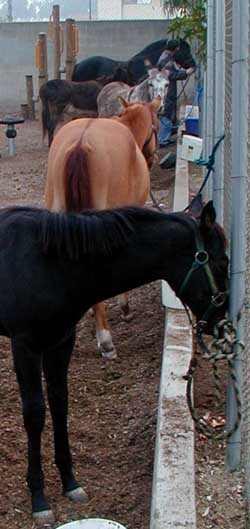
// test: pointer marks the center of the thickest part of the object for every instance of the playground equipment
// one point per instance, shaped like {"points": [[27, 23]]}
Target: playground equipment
{"points": [[11, 132]]}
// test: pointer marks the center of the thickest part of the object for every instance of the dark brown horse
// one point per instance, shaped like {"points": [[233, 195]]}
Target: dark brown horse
{"points": [[64, 100]]}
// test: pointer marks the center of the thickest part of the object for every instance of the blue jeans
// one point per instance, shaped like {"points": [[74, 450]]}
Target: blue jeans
{"points": [[164, 130]]}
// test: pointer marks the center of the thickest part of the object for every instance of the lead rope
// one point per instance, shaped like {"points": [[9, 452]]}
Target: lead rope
{"points": [[225, 348]]}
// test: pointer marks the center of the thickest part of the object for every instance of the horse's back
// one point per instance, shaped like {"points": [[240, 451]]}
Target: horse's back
{"points": [[152, 51], [93, 68]]}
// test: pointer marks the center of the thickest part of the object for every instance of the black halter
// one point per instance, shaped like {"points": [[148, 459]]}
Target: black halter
{"points": [[201, 259], [153, 132]]}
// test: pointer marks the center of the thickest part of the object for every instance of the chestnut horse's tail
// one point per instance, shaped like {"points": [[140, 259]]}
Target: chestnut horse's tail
{"points": [[77, 179]]}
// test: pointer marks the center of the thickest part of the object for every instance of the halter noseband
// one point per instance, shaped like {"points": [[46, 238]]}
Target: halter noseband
{"points": [[153, 132], [218, 298]]}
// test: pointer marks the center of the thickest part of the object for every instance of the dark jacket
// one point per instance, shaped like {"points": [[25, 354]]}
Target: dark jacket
{"points": [[175, 74]]}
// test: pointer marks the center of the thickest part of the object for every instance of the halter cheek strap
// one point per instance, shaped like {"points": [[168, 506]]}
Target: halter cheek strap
{"points": [[152, 133], [217, 298]]}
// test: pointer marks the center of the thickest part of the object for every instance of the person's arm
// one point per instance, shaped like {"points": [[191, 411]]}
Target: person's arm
{"points": [[163, 59], [178, 75]]}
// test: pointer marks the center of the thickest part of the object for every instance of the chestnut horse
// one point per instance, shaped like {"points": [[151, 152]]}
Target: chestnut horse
{"points": [[103, 163]]}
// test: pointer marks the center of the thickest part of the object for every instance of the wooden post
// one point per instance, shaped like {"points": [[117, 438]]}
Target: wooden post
{"points": [[57, 40], [30, 96], [70, 48], [25, 110], [42, 62]]}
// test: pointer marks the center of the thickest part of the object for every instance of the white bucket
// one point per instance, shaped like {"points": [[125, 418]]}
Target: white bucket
{"points": [[92, 523]]}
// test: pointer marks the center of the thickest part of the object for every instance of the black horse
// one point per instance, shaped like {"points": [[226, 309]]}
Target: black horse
{"points": [[133, 70], [54, 267]]}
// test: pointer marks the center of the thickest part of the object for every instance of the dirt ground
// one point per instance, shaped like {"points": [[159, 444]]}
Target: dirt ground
{"points": [[113, 406]]}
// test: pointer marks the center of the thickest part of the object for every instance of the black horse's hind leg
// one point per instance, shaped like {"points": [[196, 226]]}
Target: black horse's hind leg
{"points": [[55, 366], [28, 371]]}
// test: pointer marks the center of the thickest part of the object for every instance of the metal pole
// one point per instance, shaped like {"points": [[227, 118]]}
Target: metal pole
{"points": [[210, 84], [240, 20], [218, 190], [90, 9]]}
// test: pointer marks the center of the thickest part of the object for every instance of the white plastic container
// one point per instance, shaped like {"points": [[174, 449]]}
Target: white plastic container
{"points": [[191, 148], [92, 523]]}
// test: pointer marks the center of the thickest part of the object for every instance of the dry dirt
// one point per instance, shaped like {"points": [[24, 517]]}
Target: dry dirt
{"points": [[113, 406]]}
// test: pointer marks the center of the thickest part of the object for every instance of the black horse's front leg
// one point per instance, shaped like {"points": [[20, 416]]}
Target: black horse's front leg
{"points": [[28, 371], [55, 366]]}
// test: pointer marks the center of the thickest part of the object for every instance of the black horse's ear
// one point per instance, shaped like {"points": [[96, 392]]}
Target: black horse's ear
{"points": [[208, 217]]}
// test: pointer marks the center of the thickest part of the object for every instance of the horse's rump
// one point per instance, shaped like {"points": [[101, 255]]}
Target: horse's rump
{"points": [[86, 160]]}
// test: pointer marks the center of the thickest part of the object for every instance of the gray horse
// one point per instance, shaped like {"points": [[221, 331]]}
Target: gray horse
{"points": [[155, 85]]}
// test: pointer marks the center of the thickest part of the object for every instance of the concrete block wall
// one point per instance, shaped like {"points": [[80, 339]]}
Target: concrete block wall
{"points": [[115, 39]]}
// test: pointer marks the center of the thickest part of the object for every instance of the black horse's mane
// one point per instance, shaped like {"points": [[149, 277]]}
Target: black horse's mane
{"points": [[151, 48], [92, 232]]}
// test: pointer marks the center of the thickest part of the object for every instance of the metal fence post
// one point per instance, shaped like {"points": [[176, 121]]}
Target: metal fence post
{"points": [[218, 188], [240, 19]]}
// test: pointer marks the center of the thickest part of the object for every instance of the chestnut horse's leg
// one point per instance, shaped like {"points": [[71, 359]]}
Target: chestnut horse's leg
{"points": [[103, 334], [28, 371], [124, 304], [55, 366]]}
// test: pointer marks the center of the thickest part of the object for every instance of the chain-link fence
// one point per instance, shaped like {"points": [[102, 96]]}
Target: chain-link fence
{"points": [[230, 113], [246, 364]]}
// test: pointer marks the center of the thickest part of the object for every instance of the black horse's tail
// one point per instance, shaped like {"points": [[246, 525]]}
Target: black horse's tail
{"points": [[75, 74], [45, 110]]}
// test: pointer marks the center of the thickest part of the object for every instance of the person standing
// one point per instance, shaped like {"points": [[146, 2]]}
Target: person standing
{"points": [[168, 54], [166, 60]]}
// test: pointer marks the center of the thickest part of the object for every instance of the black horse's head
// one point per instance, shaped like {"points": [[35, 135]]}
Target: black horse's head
{"points": [[137, 69], [208, 273], [183, 55]]}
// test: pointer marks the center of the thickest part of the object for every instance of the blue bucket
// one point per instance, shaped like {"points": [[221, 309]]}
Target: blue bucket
{"points": [[192, 126]]}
